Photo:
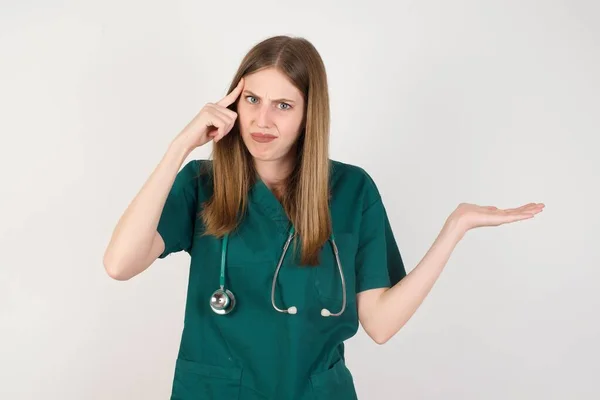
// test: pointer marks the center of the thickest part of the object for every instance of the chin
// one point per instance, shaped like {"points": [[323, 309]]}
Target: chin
{"points": [[262, 155]]}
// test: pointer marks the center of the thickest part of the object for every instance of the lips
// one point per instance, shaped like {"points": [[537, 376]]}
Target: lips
{"points": [[262, 137]]}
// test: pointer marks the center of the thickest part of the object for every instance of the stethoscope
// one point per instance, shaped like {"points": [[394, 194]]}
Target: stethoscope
{"points": [[223, 300]]}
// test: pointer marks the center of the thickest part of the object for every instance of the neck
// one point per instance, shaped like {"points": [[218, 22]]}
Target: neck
{"points": [[273, 173]]}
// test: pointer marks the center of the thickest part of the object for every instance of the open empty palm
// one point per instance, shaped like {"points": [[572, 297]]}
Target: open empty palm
{"points": [[474, 216]]}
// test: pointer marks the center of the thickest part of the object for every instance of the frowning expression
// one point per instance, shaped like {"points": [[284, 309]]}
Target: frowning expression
{"points": [[271, 112]]}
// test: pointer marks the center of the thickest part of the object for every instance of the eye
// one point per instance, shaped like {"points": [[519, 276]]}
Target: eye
{"points": [[249, 99], [287, 106]]}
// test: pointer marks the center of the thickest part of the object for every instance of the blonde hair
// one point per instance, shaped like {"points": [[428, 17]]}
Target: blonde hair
{"points": [[306, 195]]}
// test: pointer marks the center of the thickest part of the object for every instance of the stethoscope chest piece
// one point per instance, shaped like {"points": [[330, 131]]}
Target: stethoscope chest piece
{"points": [[222, 301]]}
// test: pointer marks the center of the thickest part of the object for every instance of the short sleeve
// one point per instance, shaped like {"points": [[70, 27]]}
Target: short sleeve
{"points": [[178, 218], [378, 260]]}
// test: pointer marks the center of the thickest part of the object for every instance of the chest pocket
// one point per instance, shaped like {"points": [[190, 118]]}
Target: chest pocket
{"points": [[328, 283]]}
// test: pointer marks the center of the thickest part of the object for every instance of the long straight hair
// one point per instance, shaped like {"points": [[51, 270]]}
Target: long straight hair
{"points": [[305, 197]]}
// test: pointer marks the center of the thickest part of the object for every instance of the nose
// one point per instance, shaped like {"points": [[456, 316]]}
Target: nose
{"points": [[263, 118]]}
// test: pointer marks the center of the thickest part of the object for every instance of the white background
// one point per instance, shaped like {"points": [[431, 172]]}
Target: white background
{"points": [[490, 102]]}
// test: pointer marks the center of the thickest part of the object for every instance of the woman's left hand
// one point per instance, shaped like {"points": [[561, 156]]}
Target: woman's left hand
{"points": [[469, 216]]}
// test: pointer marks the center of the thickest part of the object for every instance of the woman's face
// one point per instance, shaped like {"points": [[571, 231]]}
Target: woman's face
{"points": [[270, 113]]}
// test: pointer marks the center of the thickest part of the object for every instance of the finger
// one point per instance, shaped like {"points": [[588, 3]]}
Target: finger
{"points": [[516, 219], [229, 123], [224, 113], [532, 206], [231, 97], [224, 110], [221, 134], [523, 216], [217, 122], [224, 129], [510, 218], [516, 209], [528, 206]]}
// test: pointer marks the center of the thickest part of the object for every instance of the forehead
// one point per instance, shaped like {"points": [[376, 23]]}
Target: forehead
{"points": [[270, 83]]}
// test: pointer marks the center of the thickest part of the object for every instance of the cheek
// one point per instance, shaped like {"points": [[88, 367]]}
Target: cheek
{"points": [[291, 127], [290, 133]]}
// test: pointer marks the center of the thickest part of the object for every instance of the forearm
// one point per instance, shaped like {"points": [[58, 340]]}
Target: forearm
{"points": [[135, 231], [396, 305]]}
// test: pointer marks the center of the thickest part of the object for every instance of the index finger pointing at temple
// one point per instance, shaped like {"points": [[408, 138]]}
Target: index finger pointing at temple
{"points": [[232, 97]]}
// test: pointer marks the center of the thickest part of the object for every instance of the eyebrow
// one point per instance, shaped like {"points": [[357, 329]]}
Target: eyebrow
{"points": [[248, 92]]}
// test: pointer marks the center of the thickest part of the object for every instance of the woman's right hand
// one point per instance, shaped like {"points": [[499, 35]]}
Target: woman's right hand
{"points": [[213, 121]]}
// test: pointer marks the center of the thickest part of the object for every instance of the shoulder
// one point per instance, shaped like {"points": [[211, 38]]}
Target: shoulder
{"points": [[196, 176], [353, 181], [196, 169]]}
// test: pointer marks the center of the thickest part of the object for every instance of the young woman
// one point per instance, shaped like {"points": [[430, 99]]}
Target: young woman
{"points": [[289, 249]]}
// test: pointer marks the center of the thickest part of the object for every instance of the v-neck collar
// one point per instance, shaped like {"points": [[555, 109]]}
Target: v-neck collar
{"points": [[265, 199], [267, 202]]}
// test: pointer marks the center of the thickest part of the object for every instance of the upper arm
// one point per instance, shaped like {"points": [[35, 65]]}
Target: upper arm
{"points": [[378, 260], [177, 221], [379, 264], [366, 301], [158, 247]]}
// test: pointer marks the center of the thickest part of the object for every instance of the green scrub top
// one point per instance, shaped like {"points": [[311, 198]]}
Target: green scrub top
{"points": [[256, 352]]}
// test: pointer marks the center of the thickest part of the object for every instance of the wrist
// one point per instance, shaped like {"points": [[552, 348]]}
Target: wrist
{"points": [[180, 148], [454, 227]]}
